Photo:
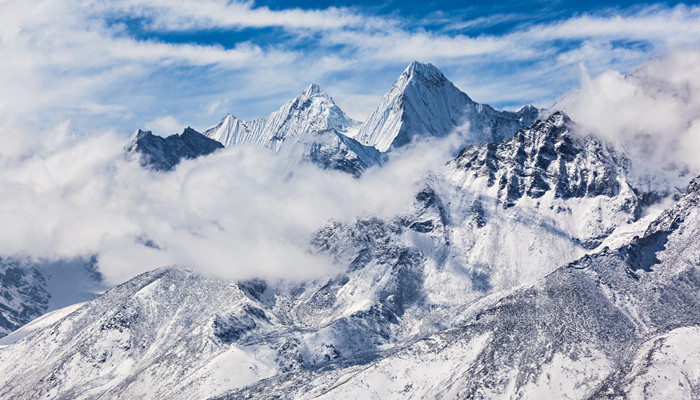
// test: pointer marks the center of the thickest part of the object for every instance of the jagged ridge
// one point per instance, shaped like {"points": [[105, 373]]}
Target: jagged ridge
{"points": [[164, 154]]}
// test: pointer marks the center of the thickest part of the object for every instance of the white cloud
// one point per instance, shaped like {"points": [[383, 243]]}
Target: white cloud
{"points": [[216, 106], [235, 213], [164, 126], [207, 14], [653, 113], [58, 61], [64, 69], [672, 26]]}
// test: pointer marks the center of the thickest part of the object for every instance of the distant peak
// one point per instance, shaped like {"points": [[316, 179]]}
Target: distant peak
{"points": [[559, 118], [423, 69], [526, 108], [228, 117], [314, 90], [139, 134], [189, 131]]}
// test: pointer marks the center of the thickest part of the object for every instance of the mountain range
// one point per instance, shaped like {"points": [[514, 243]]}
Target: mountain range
{"points": [[531, 265], [422, 103]]}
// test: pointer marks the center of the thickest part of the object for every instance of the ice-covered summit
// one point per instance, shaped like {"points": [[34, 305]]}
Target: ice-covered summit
{"points": [[310, 127], [423, 102], [425, 71], [312, 111]]}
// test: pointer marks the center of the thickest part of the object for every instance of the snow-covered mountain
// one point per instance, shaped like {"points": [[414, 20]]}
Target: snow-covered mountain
{"points": [[30, 289], [465, 283], [621, 323], [311, 127], [422, 102], [312, 111], [165, 153], [538, 263]]}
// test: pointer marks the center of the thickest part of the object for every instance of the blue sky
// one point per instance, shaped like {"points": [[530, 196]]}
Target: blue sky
{"points": [[163, 65]]}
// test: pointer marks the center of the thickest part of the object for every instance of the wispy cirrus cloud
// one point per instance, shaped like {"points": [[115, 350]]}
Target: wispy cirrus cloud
{"points": [[212, 14]]}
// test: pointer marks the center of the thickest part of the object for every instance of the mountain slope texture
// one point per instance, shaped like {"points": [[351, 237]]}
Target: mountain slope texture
{"points": [[163, 154], [533, 264], [510, 276]]}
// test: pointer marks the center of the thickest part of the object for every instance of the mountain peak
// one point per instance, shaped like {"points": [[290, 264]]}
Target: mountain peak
{"points": [[189, 131], [140, 132], [163, 154], [427, 70], [136, 136], [526, 108], [312, 111], [313, 94], [314, 90], [424, 103], [228, 119]]}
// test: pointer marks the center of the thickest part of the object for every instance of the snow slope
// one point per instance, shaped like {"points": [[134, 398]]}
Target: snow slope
{"points": [[620, 323], [437, 288], [143, 339]]}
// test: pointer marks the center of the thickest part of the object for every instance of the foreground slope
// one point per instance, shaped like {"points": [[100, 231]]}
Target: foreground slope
{"points": [[499, 216], [621, 323], [139, 340]]}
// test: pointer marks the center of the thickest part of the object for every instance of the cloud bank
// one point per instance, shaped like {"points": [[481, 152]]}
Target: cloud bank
{"points": [[75, 76], [238, 213], [652, 113]]}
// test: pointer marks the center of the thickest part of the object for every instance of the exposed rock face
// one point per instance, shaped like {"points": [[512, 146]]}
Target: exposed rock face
{"points": [[23, 295], [545, 157], [30, 289], [163, 154]]}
